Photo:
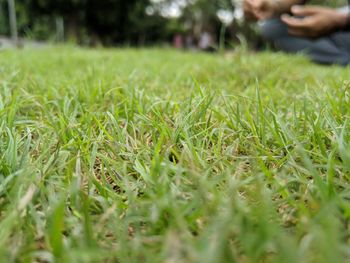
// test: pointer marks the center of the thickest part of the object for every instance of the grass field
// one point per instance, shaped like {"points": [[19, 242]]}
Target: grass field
{"points": [[163, 156]]}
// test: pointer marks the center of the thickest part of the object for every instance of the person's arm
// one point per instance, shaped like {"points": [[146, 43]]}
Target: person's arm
{"points": [[265, 9], [315, 21], [284, 6]]}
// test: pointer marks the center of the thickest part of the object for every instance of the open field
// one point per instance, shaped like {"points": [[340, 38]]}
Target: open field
{"points": [[162, 156]]}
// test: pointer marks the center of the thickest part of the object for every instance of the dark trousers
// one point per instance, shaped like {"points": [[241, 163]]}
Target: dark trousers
{"points": [[331, 49]]}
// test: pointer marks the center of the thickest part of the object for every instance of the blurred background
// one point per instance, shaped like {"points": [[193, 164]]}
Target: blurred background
{"points": [[185, 24], [188, 24]]}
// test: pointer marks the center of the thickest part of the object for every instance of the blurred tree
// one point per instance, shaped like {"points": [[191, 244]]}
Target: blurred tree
{"points": [[72, 11], [143, 28], [120, 21], [113, 21], [13, 21], [3, 18], [198, 16], [108, 19], [99, 21]]}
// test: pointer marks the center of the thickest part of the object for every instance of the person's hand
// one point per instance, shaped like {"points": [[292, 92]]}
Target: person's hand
{"points": [[314, 21], [259, 9]]}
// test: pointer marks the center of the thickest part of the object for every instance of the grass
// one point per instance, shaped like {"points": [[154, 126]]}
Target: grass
{"points": [[163, 156]]}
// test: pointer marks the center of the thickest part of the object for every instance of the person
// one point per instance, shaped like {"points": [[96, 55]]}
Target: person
{"points": [[206, 42], [178, 41], [322, 33]]}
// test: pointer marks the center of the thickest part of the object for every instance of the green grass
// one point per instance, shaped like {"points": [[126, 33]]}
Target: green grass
{"points": [[162, 156]]}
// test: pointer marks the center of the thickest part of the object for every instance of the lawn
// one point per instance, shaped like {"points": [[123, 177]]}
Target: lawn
{"points": [[166, 156]]}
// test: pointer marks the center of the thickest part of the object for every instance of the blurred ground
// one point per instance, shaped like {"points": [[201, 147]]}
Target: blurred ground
{"points": [[7, 43]]}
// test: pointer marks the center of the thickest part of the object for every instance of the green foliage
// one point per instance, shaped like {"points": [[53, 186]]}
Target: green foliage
{"points": [[111, 21], [108, 21], [4, 27], [162, 156]]}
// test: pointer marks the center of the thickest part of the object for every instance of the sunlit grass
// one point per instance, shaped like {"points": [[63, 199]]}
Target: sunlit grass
{"points": [[163, 156]]}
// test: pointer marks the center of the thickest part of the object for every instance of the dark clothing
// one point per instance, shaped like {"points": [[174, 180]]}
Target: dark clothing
{"points": [[331, 49]]}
